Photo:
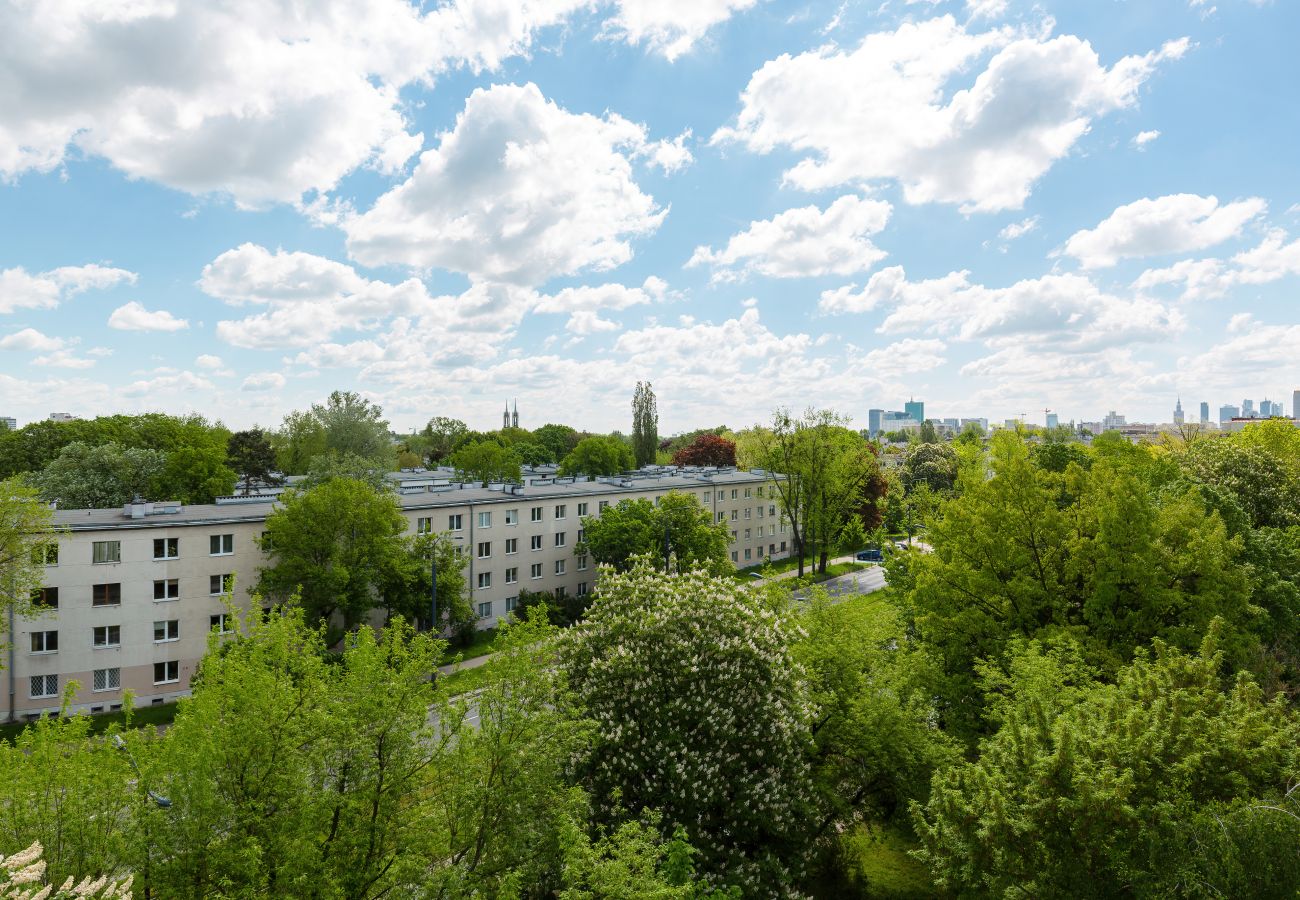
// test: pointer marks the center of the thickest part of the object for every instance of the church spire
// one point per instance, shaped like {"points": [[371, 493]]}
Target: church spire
{"points": [[514, 419], [505, 417]]}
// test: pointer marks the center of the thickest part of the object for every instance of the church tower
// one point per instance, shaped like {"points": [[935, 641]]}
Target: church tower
{"points": [[514, 418], [1178, 411], [505, 417]]}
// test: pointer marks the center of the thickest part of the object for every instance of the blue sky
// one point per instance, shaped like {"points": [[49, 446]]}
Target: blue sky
{"points": [[998, 207]]}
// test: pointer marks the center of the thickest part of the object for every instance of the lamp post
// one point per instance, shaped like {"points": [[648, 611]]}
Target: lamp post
{"points": [[155, 798]]}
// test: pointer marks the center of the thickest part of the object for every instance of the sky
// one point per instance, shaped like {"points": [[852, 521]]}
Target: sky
{"points": [[234, 207]]}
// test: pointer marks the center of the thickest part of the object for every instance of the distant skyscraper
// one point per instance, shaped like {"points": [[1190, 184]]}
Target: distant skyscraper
{"points": [[1205, 413], [915, 409], [1178, 411], [1113, 421], [1267, 408], [1295, 405], [1227, 413], [874, 417], [1247, 409], [1052, 420]]}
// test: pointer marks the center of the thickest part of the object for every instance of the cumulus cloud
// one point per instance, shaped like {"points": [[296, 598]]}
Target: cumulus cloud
{"points": [[1142, 138], [169, 384], [208, 361], [898, 109], [21, 290], [1016, 230], [669, 27], [263, 381], [32, 341], [906, 357], [133, 316], [584, 303], [1176, 223], [803, 242], [1273, 259]]}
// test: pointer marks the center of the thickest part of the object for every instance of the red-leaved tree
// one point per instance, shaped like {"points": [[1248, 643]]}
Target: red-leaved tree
{"points": [[707, 450]]}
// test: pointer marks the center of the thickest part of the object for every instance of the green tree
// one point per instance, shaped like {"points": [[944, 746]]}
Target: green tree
{"points": [[598, 456], [331, 464], [704, 668], [26, 540], [533, 454], [301, 439], [352, 424], [194, 474], [932, 464], [1267, 489], [249, 453], [486, 461], [645, 424], [99, 477], [406, 590], [678, 525], [559, 440], [443, 435]]}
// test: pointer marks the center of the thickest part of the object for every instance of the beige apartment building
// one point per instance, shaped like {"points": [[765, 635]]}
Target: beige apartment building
{"points": [[134, 593]]}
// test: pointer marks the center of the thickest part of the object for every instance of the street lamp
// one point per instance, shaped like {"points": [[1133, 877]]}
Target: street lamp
{"points": [[157, 799]]}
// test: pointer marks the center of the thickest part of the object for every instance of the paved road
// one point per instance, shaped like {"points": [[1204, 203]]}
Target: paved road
{"points": [[842, 587]]}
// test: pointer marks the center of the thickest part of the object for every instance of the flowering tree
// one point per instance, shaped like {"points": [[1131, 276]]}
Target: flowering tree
{"points": [[22, 876], [700, 712]]}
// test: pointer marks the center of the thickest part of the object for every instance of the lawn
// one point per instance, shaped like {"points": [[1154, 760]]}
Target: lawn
{"points": [[482, 643], [878, 866], [141, 716]]}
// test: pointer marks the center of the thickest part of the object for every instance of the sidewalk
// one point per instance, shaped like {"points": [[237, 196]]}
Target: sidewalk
{"points": [[808, 570]]}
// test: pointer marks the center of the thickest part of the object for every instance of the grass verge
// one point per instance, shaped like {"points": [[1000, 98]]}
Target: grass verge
{"points": [[481, 644], [141, 717]]}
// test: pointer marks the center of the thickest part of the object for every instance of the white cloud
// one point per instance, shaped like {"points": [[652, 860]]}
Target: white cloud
{"points": [[1200, 278], [671, 156], [1142, 138], [1176, 223], [1272, 260], [1240, 322], [167, 385], [670, 27], [263, 381], [519, 190], [208, 361], [893, 110], [32, 341], [21, 290], [985, 9], [803, 242], [133, 316], [1016, 230], [585, 302], [64, 359], [906, 357]]}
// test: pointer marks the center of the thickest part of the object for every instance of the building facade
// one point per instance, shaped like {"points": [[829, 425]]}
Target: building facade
{"points": [[131, 595]]}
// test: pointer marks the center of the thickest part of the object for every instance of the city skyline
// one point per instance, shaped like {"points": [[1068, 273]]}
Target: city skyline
{"points": [[1025, 206]]}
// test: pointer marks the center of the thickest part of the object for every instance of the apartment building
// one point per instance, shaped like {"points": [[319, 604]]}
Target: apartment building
{"points": [[131, 595]]}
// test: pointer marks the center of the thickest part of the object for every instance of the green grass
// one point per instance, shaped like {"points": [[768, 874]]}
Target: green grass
{"points": [[878, 866], [463, 681], [482, 643], [776, 567], [141, 717]]}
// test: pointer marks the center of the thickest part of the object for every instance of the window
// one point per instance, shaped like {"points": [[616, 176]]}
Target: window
{"points": [[749, 513], [511, 603], [484, 580], [44, 686], [559, 567], [735, 514], [535, 570], [747, 553], [783, 546], [46, 598], [484, 549], [582, 535], [106, 595], [560, 511], [512, 575], [166, 548], [705, 496], [48, 554], [535, 542], [485, 610], [45, 642], [747, 533], [722, 516], [512, 517], [582, 563], [485, 520], [106, 552], [455, 523], [102, 636], [600, 507], [424, 525], [733, 493], [759, 509], [265, 542], [749, 492], [582, 509], [107, 679], [166, 672], [536, 514], [221, 544], [512, 545], [221, 622], [560, 592], [220, 584], [771, 509], [559, 538], [582, 588], [166, 589], [733, 556], [166, 630], [758, 492]]}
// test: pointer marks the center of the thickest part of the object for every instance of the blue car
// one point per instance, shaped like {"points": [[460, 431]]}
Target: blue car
{"points": [[871, 554]]}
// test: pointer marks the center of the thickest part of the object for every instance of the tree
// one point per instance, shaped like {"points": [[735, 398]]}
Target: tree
{"points": [[443, 434], [598, 456], [1265, 487], [678, 525], [406, 589], [26, 540], [352, 424], [486, 461], [1097, 790], [533, 454], [301, 439], [932, 464], [707, 450], [249, 453], [86, 477], [332, 547], [704, 668], [645, 424], [559, 440], [196, 474], [24, 871]]}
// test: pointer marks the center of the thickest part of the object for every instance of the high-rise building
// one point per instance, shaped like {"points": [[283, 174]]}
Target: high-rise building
{"points": [[62, 417], [1053, 421], [1178, 411], [874, 417], [1248, 409], [1227, 413], [915, 409], [1295, 404], [11, 424], [1205, 413], [1268, 409]]}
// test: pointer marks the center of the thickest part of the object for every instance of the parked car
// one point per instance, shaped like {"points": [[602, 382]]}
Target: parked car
{"points": [[871, 554]]}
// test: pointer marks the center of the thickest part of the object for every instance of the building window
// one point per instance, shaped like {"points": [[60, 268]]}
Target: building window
{"points": [[582, 509], [722, 516], [106, 595], [44, 686], [747, 533], [582, 588], [220, 584], [221, 622], [512, 575], [221, 544], [749, 513], [511, 603], [600, 506], [166, 589], [733, 556], [747, 553], [735, 514], [536, 514], [455, 523], [512, 517], [758, 492], [512, 545], [46, 598], [760, 511], [783, 546], [705, 496], [560, 592], [166, 548], [559, 538], [733, 493], [535, 542], [582, 535], [484, 549], [424, 525], [535, 570], [485, 520], [559, 567], [485, 610], [484, 580], [560, 511], [102, 636], [582, 563], [106, 679], [749, 492], [166, 630], [166, 672], [48, 554], [106, 552], [45, 642]]}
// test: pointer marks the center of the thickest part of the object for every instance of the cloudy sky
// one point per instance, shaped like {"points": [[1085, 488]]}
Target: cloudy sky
{"points": [[234, 207]]}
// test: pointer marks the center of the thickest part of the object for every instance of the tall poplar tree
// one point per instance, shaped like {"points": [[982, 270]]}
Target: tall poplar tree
{"points": [[645, 424]]}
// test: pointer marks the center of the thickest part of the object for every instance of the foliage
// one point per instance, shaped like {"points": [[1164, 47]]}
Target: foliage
{"points": [[560, 611], [21, 875], [700, 712], [25, 538], [1097, 790], [677, 526], [707, 450], [352, 424], [301, 439], [598, 456], [443, 435], [249, 453], [486, 461], [559, 440], [533, 454], [99, 477], [1265, 487], [332, 464], [1055, 455], [194, 475], [931, 464], [645, 424], [406, 584], [33, 446]]}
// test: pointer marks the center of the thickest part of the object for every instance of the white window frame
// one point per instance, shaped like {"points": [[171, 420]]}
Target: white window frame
{"points": [[102, 680], [168, 584], [559, 567], [171, 629], [108, 643], [485, 520], [512, 545], [582, 563], [112, 552], [222, 623], [561, 510], [560, 538], [582, 588], [512, 575], [424, 525], [485, 609], [44, 640], [168, 666], [225, 544], [536, 514], [484, 549], [45, 681], [535, 542], [512, 603], [535, 571], [484, 581], [512, 517], [171, 548], [455, 522], [582, 509], [226, 579]]}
